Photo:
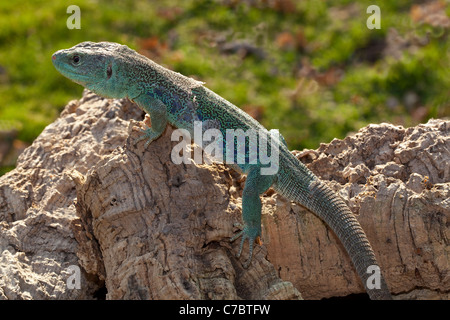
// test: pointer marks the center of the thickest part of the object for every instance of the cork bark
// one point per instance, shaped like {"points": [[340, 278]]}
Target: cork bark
{"points": [[397, 182], [139, 226]]}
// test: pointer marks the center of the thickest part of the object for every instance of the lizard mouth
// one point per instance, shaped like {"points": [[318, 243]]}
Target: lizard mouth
{"points": [[61, 62]]}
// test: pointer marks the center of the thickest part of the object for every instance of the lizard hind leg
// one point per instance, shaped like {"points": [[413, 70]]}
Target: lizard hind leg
{"points": [[255, 185]]}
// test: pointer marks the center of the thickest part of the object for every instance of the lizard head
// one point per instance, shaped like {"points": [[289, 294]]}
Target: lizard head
{"points": [[100, 67]]}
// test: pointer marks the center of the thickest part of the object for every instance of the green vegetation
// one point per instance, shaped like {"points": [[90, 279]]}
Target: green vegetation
{"points": [[309, 68]]}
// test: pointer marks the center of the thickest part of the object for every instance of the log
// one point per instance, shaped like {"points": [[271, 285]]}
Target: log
{"points": [[87, 214]]}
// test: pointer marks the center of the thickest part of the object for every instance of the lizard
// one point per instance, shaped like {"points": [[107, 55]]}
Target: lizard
{"points": [[115, 71]]}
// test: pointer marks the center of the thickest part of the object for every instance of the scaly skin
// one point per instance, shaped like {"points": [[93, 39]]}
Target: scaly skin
{"points": [[115, 71]]}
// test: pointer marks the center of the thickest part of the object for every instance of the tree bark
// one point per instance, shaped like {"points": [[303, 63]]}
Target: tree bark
{"points": [[139, 226]]}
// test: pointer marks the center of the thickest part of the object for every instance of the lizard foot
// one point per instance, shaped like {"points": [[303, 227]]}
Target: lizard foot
{"points": [[250, 233], [147, 134]]}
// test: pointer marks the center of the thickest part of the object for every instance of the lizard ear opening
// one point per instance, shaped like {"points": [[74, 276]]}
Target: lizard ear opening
{"points": [[109, 71]]}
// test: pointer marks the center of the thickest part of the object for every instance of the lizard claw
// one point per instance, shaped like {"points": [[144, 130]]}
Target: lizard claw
{"points": [[146, 134], [250, 233]]}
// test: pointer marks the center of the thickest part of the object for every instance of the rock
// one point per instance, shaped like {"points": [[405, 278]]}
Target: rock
{"points": [[135, 225]]}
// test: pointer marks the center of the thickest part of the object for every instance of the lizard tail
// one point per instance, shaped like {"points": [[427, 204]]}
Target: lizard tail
{"points": [[320, 199]]}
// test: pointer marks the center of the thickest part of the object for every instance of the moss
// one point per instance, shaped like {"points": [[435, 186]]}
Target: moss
{"points": [[324, 36]]}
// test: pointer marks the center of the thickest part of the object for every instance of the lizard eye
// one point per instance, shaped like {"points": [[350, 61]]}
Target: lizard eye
{"points": [[76, 59], [109, 71]]}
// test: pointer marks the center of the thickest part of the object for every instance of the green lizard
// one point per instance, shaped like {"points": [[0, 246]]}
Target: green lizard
{"points": [[115, 71]]}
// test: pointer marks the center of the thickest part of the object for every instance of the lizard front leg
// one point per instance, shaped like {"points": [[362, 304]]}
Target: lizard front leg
{"points": [[255, 185], [156, 109]]}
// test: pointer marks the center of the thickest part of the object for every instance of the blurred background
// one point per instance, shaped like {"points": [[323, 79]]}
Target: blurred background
{"points": [[312, 69]]}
